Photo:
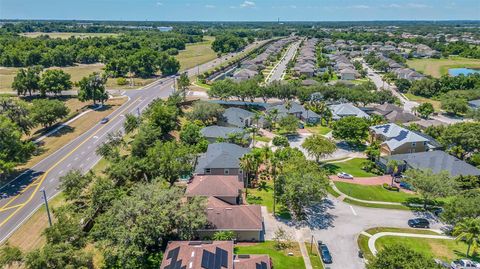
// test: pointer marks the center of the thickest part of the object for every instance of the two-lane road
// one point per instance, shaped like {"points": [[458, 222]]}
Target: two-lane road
{"points": [[79, 153]]}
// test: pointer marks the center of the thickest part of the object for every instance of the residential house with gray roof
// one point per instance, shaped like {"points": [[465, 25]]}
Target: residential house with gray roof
{"points": [[297, 110], [398, 140], [221, 159], [215, 132], [436, 161], [345, 110], [236, 117], [394, 114]]}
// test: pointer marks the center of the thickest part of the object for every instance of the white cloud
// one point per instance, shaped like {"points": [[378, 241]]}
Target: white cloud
{"points": [[293, 6], [210, 6], [360, 6], [414, 5], [159, 4], [392, 6], [247, 4]]}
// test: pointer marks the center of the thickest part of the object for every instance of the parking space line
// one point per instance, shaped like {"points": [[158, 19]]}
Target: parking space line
{"points": [[353, 211]]}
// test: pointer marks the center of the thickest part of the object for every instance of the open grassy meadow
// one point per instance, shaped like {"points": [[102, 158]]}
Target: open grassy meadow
{"points": [[196, 53], [438, 67]]}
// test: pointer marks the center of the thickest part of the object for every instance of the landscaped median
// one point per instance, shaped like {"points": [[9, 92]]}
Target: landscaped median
{"points": [[425, 241]]}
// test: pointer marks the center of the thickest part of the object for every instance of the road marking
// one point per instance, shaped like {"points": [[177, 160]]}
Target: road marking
{"points": [[44, 176], [76, 158], [96, 137], [353, 210], [11, 207], [88, 159], [70, 164], [51, 180], [83, 152], [61, 172]]}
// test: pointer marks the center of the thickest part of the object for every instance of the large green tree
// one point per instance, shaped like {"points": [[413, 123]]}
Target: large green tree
{"points": [[93, 88], [18, 111], [205, 112], [47, 112], [464, 205], [401, 257], [319, 146], [55, 81], [468, 230], [352, 129], [431, 185], [425, 110], [27, 80], [134, 230]]}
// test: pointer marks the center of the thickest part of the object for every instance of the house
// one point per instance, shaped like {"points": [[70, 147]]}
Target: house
{"points": [[394, 113], [215, 132], [228, 188], [474, 104], [348, 74], [436, 161], [407, 73], [244, 74], [245, 221], [236, 117], [221, 159], [397, 140], [297, 110], [345, 110], [210, 255]]}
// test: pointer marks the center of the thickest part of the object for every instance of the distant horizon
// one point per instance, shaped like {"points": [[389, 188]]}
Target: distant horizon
{"points": [[275, 21], [242, 10]]}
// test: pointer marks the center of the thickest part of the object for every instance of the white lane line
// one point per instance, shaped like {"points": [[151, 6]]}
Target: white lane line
{"points": [[61, 172], [95, 137], [76, 159], [51, 180], [68, 165], [88, 159], [89, 147], [83, 152], [353, 211], [81, 165]]}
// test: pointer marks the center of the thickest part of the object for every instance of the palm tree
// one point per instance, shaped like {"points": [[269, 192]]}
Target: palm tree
{"points": [[246, 165], [254, 127], [393, 166], [468, 230]]}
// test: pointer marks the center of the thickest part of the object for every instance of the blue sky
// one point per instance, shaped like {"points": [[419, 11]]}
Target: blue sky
{"points": [[241, 10]]}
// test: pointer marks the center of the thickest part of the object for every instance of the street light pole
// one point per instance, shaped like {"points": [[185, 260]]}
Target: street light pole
{"points": [[46, 205]]}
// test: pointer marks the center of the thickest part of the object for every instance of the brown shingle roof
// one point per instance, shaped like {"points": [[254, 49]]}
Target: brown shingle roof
{"points": [[214, 185], [189, 254], [234, 217]]}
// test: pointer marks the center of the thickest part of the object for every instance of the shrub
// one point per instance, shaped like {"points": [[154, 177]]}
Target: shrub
{"points": [[121, 81], [389, 187]]}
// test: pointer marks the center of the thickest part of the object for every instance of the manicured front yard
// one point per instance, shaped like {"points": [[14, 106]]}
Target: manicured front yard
{"points": [[264, 196], [318, 129], [280, 258], [447, 250], [353, 167], [372, 193]]}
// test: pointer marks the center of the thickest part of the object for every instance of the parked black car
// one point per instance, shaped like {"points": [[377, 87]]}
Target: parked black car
{"points": [[323, 249], [419, 223]]}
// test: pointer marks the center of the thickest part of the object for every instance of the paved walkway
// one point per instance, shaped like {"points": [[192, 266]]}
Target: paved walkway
{"points": [[371, 240]]}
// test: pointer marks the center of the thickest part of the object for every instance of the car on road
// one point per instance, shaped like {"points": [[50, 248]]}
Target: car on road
{"points": [[104, 120], [4, 195], [344, 175], [464, 264], [419, 223], [325, 253]]}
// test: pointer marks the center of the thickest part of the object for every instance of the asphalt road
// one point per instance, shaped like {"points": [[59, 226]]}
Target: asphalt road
{"points": [[338, 225], [281, 67], [24, 196]]}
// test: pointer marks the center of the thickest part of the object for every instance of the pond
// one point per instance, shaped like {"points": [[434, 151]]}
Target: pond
{"points": [[462, 71]]}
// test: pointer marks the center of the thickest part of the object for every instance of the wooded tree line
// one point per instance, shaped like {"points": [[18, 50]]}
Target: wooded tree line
{"points": [[363, 94], [18, 51]]}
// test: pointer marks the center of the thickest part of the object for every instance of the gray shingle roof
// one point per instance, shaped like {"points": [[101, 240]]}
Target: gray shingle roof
{"points": [[437, 161], [220, 155], [236, 116], [347, 109], [216, 131]]}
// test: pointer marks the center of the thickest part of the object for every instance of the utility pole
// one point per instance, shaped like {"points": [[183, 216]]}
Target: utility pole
{"points": [[46, 205]]}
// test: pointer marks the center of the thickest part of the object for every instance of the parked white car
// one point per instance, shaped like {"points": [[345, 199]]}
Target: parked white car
{"points": [[344, 175], [464, 264]]}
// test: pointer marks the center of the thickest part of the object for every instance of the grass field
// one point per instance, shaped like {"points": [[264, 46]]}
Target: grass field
{"points": [[197, 53], [439, 67], [353, 167], [419, 99], [447, 250], [280, 258], [318, 129], [314, 256], [67, 35], [372, 193], [264, 196], [396, 207]]}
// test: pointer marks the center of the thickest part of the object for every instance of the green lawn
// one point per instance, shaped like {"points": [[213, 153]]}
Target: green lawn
{"points": [[280, 258], [372, 193], [396, 207], [197, 53], [262, 139], [439, 67], [264, 196], [314, 256], [318, 129], [444, 249], [353, 167]]}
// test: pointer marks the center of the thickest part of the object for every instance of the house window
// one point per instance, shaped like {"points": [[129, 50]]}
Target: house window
{"points": [[207, 171], [414, 144], [425, 143], [226, 171]]}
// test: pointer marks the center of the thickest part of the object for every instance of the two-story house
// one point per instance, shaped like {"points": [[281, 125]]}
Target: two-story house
{"points": [[221, 159], [397, 140]]}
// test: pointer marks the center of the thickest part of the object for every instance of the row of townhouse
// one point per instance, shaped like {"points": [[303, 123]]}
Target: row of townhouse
{"points": [[344, 67], [306, 60]]}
